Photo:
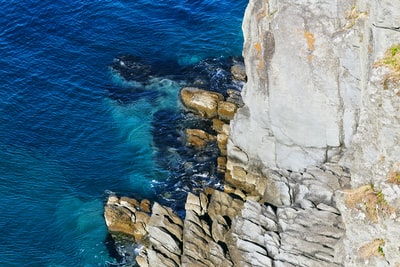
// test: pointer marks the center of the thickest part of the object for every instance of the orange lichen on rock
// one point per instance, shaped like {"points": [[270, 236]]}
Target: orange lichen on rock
{"points": [[257, 46], [263, 12], [310, 40]]}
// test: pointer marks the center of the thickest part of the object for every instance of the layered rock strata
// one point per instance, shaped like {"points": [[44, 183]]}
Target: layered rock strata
{"points": [[221, 229], [313, 155], [323, 86]]}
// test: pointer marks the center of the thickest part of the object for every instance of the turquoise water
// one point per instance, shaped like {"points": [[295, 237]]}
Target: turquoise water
{"points": [[72, 130]]}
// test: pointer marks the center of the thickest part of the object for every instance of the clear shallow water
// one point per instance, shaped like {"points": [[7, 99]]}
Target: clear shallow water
{"points": [[64, 140]]}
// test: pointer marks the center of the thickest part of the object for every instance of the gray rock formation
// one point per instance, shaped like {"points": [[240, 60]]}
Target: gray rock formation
{"points": [[221, 230], [322, 87], [313, 154]]}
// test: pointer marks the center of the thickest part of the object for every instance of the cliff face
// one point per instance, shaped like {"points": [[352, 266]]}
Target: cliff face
{"points": [[313, 156], [309, 66], [323, 89]]}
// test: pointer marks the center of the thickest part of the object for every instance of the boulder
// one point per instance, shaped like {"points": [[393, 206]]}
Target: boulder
{"points": [[123, 217], [226, 110], [201, 101]]}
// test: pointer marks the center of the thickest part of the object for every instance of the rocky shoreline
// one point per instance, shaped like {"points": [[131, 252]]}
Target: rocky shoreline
{"points": [[220, 228], [295, 222], [134, 224], [311, 158]]}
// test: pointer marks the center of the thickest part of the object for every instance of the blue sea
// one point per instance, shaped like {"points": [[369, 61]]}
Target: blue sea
{"points": [[74, 127]]}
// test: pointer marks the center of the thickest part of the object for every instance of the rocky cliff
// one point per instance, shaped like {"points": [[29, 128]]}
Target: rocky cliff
{"points": [[323, 87], [313, 155]]}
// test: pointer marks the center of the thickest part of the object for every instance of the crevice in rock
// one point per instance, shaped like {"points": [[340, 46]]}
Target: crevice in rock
{"points": [[228, 220], [169, 219], [177, 240], [206, 217], [165, 256], [393, 28], [224, 247]]}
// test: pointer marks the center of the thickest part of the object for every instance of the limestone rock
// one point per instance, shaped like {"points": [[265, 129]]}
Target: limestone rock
{"points": [[221, 164], [145, 205], [222, 141], [203, 239], [123, 217], [239, 72], [165, 237], [226, 110], [198, 138], [234, 97], [201, 101], [193, 203], [217, 125], [119, 221]]}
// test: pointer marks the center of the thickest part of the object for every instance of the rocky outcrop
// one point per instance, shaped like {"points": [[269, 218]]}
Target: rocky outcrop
{"points": [[221, 229], [124, 216], [323, 90], [215, 107], [313, 159], [201, 101]]}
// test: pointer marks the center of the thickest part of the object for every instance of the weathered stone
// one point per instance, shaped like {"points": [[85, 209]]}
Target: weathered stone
{"points": [[112, 200], [118, 220], [158, 259], [142, 261], [164, 242], [226, 110], [219, 230], [127, 201], [221, 204], [145, 205], [198, 138], [221, 164], [193, 203], [165, 217], [123, 218], [239, 72], [234, 97], [222, 140], [217, 125], [203, 203], [200, 101]]}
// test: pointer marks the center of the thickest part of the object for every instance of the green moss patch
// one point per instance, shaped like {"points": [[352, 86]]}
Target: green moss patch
{"points": [[391, 60]]}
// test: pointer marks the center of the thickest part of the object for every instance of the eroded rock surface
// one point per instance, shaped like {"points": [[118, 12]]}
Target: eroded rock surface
{"points": [[313, 160], [231, 229], [319, 90]]}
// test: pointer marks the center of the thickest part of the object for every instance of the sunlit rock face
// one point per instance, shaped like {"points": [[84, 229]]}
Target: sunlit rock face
{"points": [[322, 89], [303, 91]]}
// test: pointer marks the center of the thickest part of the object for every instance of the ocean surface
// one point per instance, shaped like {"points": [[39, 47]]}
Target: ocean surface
{"points": [[74, 129]]}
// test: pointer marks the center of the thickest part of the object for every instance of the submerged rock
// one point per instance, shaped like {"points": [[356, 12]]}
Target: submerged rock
{"points": [[132, 68]]}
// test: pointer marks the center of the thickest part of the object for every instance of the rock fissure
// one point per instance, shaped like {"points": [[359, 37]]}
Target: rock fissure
{"points": [[393, 28]]}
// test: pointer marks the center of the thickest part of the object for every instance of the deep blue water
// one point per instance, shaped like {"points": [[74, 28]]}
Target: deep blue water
{"points": [[71, 129]]}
